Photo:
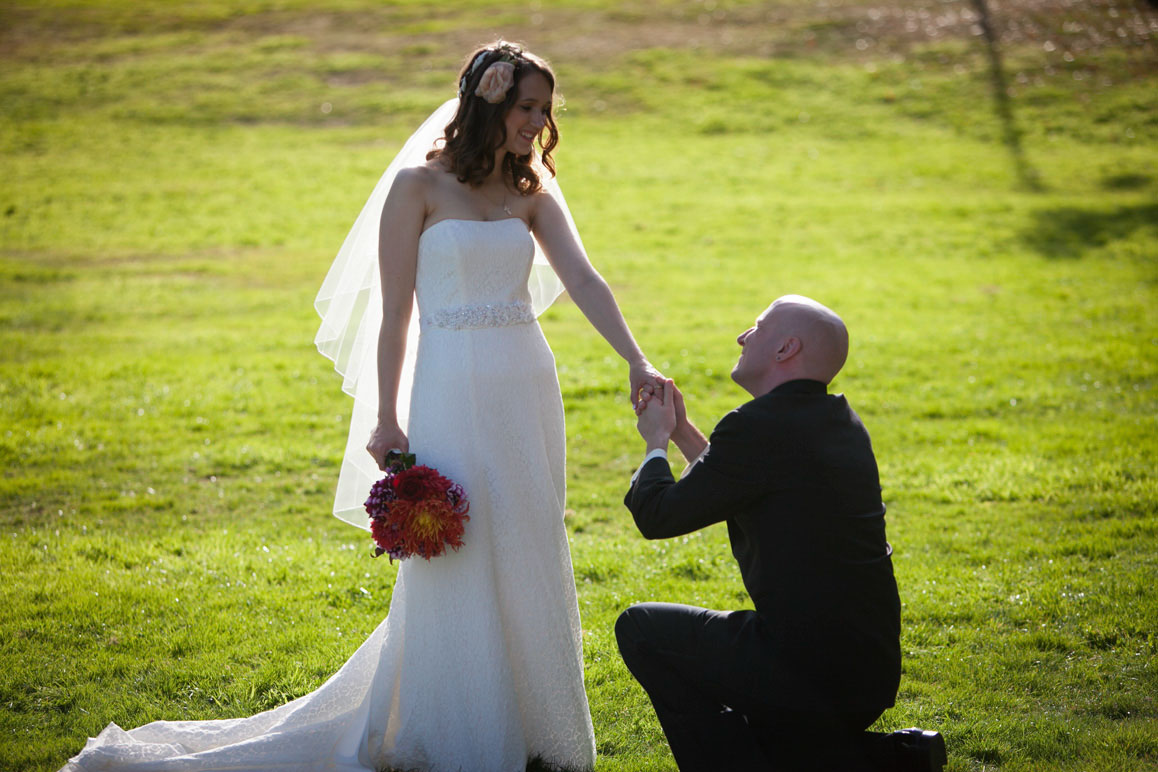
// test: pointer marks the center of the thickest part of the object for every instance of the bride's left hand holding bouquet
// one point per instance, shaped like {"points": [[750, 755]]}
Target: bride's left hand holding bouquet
{"points": [[415, 510]]}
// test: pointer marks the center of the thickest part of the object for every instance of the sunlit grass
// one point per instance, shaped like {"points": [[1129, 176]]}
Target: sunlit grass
{"points": [[173, 194]]}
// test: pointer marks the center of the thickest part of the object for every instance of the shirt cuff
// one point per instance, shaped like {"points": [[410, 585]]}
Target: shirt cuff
{"points": [[695, 461], [657, 453]]}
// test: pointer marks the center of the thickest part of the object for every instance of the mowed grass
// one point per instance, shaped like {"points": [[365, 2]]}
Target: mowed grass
{"points": [[176, 181]]}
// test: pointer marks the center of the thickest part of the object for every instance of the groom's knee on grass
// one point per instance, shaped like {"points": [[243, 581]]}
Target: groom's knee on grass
{"points": [[636, 637], [628, 634]]}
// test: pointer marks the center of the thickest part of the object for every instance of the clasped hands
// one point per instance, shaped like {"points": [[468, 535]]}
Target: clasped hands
{"points": [[659, 411], [649, 388]]}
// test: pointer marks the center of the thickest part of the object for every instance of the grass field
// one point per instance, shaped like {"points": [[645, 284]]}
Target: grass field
{"points": [[176, 179]]}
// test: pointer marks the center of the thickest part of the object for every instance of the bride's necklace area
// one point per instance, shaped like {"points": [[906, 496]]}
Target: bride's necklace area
{"points": [[502, 203]]}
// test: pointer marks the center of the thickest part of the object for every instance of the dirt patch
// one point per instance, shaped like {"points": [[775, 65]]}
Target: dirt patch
{"points": [[826, 27], [841, 28]]}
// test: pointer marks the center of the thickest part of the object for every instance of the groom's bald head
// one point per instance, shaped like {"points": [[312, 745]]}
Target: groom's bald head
{"points": [[822, 333], [794, 338]]}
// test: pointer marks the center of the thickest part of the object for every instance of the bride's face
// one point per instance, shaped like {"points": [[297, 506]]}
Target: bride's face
{"points": [[526, 119]]}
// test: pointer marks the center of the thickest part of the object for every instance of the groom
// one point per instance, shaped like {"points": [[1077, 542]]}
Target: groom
{"points": [[794, 684]]}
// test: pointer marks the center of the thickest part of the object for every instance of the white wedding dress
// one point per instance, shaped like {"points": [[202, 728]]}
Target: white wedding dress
{"points": [[478, 666]]}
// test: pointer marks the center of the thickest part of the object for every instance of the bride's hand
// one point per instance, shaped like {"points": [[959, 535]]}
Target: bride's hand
{"points": [[385, 438], [644, 379]]}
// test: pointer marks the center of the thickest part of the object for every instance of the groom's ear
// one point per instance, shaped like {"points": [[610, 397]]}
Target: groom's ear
{"points": [[788, 349]]}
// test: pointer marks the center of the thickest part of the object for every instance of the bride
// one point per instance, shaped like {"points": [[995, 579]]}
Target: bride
{"points": [[478, 665]]}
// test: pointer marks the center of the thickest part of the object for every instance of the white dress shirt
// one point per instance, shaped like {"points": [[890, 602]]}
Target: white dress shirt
{"points": [[662, 453]]}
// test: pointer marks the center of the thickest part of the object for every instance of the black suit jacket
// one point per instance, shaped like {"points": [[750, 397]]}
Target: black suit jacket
{"points": [[793, 475]]}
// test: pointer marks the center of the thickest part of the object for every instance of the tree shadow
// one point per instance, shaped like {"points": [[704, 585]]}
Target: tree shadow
{"points": [[1126, 180], [1011, 133], [1069, 232]]}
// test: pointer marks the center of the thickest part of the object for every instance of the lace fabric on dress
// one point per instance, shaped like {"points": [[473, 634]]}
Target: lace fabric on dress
{"points": [[349, 303]]}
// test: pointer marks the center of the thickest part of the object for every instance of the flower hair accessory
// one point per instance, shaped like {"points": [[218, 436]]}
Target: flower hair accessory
{"points": [[495, 82], [498, 77]]}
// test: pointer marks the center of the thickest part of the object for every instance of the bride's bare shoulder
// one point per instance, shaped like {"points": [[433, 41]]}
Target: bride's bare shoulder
{"points": [[418, 183], [541, 202], [432, 175], [424, 175]]}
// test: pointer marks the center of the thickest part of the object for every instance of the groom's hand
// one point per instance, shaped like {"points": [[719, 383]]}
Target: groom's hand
{"points": [[657, 416], [681, 412]]}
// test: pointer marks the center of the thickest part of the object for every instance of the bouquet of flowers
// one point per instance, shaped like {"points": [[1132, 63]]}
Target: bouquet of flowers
{"points": [[414, 510]]}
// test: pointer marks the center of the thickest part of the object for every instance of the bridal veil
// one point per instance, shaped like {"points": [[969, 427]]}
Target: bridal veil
{"points": [[349, 303]]}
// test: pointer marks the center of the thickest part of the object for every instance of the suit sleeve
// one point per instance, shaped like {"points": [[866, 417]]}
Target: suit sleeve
{"points": [[722, 483]]}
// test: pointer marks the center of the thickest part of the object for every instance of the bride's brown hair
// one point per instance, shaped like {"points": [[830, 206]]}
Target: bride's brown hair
{"points": [[478, 127]]}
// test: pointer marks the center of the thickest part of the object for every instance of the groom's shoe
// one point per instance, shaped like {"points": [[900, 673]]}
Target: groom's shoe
{"points": [[919, 750]]}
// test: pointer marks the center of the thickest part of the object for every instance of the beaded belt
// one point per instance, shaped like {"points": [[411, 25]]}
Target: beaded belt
{"points": [[479, 316]]}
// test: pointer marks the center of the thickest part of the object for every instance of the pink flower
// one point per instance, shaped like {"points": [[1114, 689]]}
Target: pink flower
{"points": [[496, 81]]}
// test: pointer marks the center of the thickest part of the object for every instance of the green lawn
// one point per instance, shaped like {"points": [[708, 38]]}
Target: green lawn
{"points": [[177, 179]]}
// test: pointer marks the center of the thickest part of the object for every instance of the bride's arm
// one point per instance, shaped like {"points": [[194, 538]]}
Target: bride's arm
{"points": [[398, 232], [588, 289]]}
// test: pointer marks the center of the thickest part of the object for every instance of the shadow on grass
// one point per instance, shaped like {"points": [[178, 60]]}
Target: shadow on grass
{"points": [[1011, 134], [1069, 232], [1126, 181], [533, 765]]}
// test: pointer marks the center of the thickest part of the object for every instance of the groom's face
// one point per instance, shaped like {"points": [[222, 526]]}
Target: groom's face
{"points": [[758, 349]]}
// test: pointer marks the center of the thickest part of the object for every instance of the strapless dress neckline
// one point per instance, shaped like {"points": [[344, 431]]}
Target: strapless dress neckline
{"points": [[429, 228]]}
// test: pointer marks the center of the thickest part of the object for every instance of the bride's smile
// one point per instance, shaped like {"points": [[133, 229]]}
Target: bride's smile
{"points": [[525, 121]]}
